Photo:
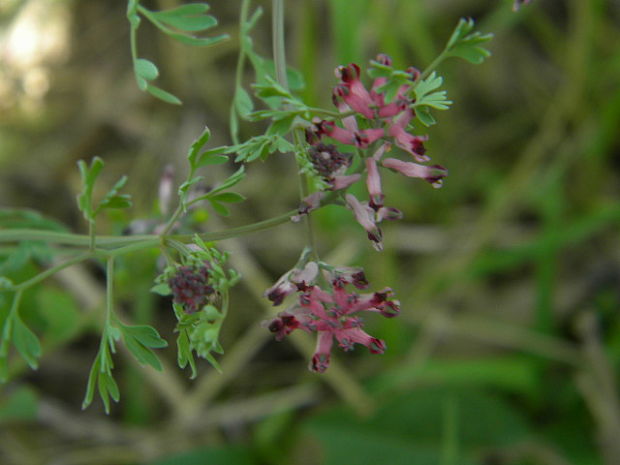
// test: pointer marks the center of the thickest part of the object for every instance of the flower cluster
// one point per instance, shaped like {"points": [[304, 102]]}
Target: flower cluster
{"points": [[190, 287], [384, 123], [332, 313]]}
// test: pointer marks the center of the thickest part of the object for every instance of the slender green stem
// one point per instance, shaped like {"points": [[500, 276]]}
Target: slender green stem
{"points": [[332, 114], [279, 51], [133, 44], [175, 215], [137, 242], [243, 19], [109, 273], [145, 244], [238, 231], [178, 246], [62, 238], [51, 271], [119, 245], [430, 68], [91, 235], [279, 58]]}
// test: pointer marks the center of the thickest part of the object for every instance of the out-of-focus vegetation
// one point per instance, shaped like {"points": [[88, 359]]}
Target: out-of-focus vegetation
{"points": [[508, 346]]}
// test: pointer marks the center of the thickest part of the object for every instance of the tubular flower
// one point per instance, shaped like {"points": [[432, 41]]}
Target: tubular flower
{"points": [[432, 174], [293, 280], [409, 143], [365, 216], [353, 91], [334, 315]]}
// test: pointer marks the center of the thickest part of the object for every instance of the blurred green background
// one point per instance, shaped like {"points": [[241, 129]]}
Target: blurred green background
{"points": [[508, 346]]}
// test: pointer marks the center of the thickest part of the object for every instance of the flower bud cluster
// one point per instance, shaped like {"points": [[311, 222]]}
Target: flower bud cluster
{"points": [[331, 311], [190, 287]]}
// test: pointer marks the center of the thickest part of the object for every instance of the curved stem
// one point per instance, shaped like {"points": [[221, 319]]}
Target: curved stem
{"points": [[279, 58], [279, 52], [243, 19], [109, 272], [47, 273], [119, 245]]}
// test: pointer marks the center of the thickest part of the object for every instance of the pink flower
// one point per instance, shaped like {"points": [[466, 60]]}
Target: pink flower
{"points": [[342, 182], [365, 216], [308, 204], [352, 91], [349, 136], [373, 183], [292, 281], [432, 174], [409, 143], [333, 315]]}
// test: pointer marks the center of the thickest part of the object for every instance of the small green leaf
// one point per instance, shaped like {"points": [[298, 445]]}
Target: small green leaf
{"points": [[190, 9], [145, 69], [143, 354], [113, 199], [475, 55], [187, 17], [219, 208], [161, 289], [212, 160], [89, 175], [184, 354], [466, 44], [198, 41], [163, 95], [228, 197], [146, 335], [26, 343], [197, 145], [243, 102], [92, 380], [142, 83], [281, 126], [107, 388], [424, 115]]}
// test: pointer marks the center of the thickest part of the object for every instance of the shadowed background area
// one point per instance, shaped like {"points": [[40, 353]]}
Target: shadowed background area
{"points": [[508, 345]]}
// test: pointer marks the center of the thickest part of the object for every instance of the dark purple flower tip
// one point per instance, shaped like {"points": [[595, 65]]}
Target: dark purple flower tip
{"points": [[349, 73], [384, 59], [359, 280], [319, 363], [437, 173], [390, 309], [283, 325], [376, 346], [414, 73], [376, 237], [380, 297], [276, 326], [389, 213], [417, 145], [276, 296]]}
